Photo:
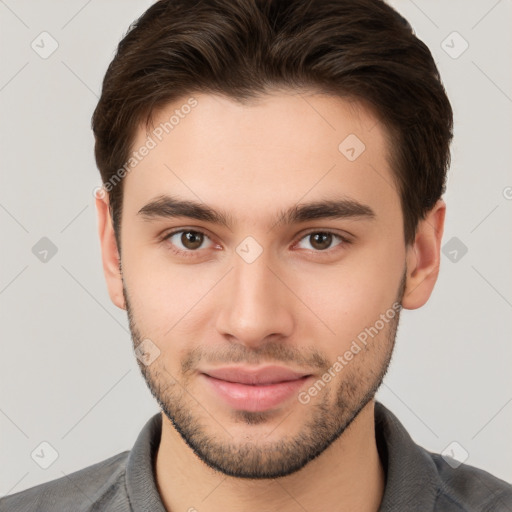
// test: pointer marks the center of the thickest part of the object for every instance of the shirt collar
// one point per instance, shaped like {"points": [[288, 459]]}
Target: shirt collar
{"points": [[412, 480], [140, 468]]}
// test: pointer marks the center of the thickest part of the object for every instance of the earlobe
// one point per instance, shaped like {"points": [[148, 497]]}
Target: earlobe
{"points": [[109, 252], [423, 258]]}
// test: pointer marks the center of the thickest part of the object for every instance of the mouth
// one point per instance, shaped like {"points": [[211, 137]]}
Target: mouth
{"points": [[256, 390]]}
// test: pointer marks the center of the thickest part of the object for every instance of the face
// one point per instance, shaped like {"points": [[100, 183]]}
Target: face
{"points": [[289, 269]]}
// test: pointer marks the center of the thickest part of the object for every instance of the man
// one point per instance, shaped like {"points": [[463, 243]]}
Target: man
{"points": [[272, 179]]}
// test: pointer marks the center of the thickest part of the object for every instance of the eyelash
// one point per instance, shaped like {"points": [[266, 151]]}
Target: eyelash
{"points": [[192, 253]]}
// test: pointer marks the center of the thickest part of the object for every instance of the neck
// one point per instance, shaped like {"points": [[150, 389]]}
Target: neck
{"points": [[348, 476]]}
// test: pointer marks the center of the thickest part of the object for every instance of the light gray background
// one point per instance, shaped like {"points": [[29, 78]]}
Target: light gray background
{"points": [[68, 374]]}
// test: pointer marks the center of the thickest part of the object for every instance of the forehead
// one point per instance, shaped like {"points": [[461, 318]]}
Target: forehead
{"points": [[276, 151]]}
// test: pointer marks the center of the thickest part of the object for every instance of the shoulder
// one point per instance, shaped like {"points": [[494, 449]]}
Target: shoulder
{"points": [[91, 488], [418, 479], [468, 488]]}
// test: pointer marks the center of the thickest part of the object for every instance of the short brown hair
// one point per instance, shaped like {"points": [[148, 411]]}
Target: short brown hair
{"points": [[357, 49]]}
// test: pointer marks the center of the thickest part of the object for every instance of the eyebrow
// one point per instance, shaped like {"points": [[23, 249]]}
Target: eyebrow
{"points": [[166, 206]]}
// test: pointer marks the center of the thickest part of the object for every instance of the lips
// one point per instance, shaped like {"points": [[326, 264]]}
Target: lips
{"points": [[254, 389], [257, 376]]}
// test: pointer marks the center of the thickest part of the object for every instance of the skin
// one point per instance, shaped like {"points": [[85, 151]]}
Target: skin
{"points": [[295, 305]]}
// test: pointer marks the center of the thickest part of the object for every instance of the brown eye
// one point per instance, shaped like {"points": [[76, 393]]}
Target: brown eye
{"points": [[186, 240], [191, 239], [323, 240]]}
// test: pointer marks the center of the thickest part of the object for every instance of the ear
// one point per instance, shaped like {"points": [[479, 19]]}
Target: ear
{"points": [[423, 258], [109, 252]]}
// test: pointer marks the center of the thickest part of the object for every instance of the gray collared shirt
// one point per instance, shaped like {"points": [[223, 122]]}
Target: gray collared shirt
{"points": [[416, 479]]}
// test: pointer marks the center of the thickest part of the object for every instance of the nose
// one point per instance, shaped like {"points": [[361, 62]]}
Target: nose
{"points": [[256, 304]]}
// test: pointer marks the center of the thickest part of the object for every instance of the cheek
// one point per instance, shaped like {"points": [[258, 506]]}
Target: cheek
{"points": [[175, 301], [167, 299], [352, 295]]}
